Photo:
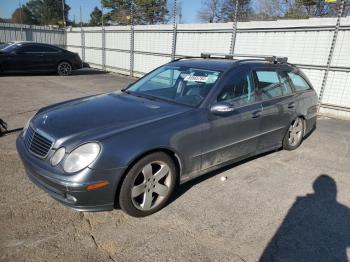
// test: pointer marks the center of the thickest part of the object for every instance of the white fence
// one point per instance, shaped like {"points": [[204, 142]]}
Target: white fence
{"points": [[41, 34], [307, 43], [137, 50]]}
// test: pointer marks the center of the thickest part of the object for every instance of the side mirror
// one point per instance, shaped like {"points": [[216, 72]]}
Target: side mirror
{"points": [[221, 108]]}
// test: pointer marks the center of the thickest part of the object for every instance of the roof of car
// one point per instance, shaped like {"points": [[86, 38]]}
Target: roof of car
{"points": [[220, 64], [210, 64]]}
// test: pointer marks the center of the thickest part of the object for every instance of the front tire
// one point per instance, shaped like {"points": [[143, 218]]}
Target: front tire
{"points": [[64, 68], [148, 185], [294, 135]]}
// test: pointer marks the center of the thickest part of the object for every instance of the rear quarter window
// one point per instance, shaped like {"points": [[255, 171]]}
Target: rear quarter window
{"points": [[299, 83]]}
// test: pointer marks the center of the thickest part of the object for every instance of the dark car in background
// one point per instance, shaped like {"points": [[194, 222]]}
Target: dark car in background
{"points": [[37, 57], [183, 119]]}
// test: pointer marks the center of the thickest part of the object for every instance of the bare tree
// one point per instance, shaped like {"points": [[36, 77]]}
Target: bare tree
{"points": [[179, 11], [273, 8], [210, 11], [228, 9]]}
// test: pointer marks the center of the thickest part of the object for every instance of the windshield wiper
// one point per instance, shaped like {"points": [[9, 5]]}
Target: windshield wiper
{"points": [[124, 90], [138, 94]]}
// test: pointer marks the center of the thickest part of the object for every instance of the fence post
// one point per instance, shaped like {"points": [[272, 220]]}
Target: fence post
{"points": [[234, 30], [65, 37], [82, 44], [331, 51], [103, 48], [173, 44], [132, 35]]}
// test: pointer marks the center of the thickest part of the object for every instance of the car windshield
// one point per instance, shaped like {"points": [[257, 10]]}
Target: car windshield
{"points": [[10, 47], [3, 45], [183, 85]]}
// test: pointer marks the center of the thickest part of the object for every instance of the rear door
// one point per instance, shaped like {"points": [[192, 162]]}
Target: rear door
{"points": [[234, 134], [51, 56], [278, 106]]}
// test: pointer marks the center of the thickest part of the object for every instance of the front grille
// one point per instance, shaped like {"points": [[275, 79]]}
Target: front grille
{"points": [[37, 143]]}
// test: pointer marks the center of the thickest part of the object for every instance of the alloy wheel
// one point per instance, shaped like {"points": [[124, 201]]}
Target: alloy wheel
{"points": [[151, 186], [296, 132], [64, 69]]}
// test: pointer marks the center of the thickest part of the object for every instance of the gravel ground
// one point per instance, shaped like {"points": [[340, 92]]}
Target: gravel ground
{"points": [[281, 205]]}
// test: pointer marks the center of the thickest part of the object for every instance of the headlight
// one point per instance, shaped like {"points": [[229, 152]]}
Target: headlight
{"points": [[81, 157], [58, 156], [25, 128]]}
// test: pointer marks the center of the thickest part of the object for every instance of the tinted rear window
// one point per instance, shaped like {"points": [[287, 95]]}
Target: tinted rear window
{"points": [[273, 84], [298, 82]]}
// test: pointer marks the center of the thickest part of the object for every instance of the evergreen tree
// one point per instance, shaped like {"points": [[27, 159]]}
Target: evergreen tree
{"points": [[145, 11], [96, 17], [45, 12]]}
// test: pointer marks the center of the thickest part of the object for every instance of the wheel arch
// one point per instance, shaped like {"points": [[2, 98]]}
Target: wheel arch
{"points": [[304, 122], [170, 152], [64, 60]]}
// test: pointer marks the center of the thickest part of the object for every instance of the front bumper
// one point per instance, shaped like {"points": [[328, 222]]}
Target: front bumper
{"points": [[71, 190]]}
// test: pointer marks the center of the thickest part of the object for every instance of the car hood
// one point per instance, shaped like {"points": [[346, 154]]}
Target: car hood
{"points": [[98, 117]]}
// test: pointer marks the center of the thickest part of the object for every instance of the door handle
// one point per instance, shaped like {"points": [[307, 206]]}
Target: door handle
{"points": [[291, 105], [256, 114]]}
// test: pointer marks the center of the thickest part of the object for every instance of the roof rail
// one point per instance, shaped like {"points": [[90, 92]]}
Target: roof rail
{"points": [[269, 58], [216, 55]]}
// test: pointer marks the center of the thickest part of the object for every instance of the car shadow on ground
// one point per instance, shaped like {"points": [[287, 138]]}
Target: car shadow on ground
{"points": [[182, 189], [84, 71], [316, 228], [89, 71]]}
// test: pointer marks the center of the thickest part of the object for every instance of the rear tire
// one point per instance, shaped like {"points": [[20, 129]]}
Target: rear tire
{"points": [[148, 185], [294, 135], [64, 68]]}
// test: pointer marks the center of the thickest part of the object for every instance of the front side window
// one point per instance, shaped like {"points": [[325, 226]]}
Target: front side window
{"points": [[240, 90], [298, 82], [183, 85], [30, 49], [273, 84]]}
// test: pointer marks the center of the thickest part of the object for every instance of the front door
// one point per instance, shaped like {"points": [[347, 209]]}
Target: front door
{"points": [[234, 134], [28, 57]]}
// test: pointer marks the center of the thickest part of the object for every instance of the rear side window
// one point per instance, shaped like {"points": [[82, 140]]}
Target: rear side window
{"points": [[48, 49], [240, 90], [273, 84], [298, 82]]}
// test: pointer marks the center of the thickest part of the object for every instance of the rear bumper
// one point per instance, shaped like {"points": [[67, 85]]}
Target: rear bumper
{"points": [[77, 65], [67, 189]]}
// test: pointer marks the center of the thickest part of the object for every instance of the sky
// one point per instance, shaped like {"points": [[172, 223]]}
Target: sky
{"points": [[189, 9]]}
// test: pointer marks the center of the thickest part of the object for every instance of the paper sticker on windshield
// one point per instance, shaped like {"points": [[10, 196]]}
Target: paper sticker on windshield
{"points": [[191, 78]]}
